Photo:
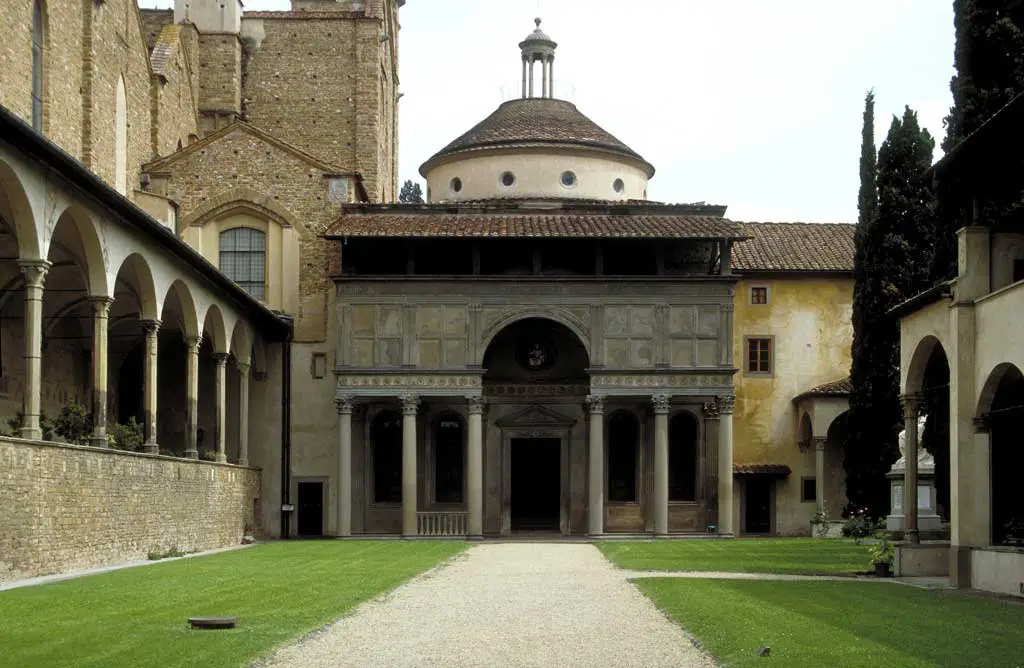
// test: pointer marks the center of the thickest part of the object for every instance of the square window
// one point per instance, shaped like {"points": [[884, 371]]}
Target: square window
{"points": [[759, 295], [759, 356], [808, 489]]}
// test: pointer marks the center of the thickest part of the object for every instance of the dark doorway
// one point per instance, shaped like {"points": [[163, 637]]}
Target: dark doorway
{"points": [[536, 479], [758, 510], [311, 509]]}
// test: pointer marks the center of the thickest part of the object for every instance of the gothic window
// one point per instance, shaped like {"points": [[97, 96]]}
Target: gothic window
{"points": [[623, 441], [448, 468], [121, 139], [37, 65], [243, 253], [386, 441], [682, 458]]}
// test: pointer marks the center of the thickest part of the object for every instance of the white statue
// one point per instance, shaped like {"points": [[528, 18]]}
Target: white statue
{"points": [[924, 458]]}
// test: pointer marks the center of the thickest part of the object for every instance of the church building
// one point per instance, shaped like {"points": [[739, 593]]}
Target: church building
{"points": [[205, 264]]}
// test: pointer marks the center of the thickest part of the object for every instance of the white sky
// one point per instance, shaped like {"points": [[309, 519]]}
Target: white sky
{"points": [[755, 104]]}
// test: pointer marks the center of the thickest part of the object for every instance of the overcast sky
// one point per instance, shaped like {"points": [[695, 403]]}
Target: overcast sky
{"points": [[749, 103]]}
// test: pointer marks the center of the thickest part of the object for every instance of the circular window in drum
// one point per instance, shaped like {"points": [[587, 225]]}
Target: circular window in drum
{"points": [[455, 184], [508, 179], [569, 179], [619, 186]]}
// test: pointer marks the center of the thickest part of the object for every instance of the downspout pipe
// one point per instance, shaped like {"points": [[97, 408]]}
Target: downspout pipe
{"points": [[286, 427]]}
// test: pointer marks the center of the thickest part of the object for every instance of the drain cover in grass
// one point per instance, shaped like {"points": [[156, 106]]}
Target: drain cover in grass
{"points": [[213, 622]]}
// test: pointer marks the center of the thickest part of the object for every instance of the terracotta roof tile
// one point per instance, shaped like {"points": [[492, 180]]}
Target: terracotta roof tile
{"points": [[836, 388], [537, 122], [795, 247], [574, 221], [776, 470]]}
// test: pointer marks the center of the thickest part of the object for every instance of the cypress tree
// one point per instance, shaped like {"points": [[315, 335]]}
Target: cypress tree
{"points": [[989, 61], [893, 252]]}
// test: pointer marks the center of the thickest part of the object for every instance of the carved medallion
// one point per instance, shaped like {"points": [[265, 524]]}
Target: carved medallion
{"points": [[535, 354]]}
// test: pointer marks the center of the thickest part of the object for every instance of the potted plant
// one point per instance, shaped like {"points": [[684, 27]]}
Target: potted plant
{"points": [[882, 553]]}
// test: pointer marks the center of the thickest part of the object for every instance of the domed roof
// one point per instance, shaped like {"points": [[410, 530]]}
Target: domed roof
{"points": [[537, 122], [537, 36]]}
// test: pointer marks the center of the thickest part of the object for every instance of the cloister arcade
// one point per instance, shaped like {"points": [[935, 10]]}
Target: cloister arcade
{"points": [[102, 307]]}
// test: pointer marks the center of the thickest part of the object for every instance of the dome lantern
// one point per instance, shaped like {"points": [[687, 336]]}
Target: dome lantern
{"points": [[538, 46]]}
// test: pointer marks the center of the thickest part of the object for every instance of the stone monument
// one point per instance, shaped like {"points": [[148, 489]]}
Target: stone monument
{"points": [[927, 517]]}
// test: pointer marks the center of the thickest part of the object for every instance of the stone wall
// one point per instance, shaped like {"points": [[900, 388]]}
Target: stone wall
{"points": [[70, 507]]}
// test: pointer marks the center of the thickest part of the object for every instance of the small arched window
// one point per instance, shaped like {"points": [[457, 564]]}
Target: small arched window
{"points": [[448, 463], [386, 441], [243, 253], [38, 55], [121, 139], [682, 458], [623, 439]]}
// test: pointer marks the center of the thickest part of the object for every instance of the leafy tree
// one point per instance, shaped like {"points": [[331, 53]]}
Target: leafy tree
{"points": [[989, 61], [894, 244], [411, 193]]}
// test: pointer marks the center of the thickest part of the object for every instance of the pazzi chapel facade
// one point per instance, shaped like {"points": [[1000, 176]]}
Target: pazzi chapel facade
{"points": [[538, 347]]}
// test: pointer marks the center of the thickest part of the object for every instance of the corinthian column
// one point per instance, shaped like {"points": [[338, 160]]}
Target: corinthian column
{"points": [[149, 390], [725, 475], [410, 403], [220, 394], [192, 397], [660, 504], [911, 405], [475, 461], [100, 312], [595, 512], [34, 272], [345, 405]]}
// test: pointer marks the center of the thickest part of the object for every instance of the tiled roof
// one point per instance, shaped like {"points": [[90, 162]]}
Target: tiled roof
{"points": [[794, 247], [536, 122], [568, 222], [162, 49], [836, 388], [775, 470]]}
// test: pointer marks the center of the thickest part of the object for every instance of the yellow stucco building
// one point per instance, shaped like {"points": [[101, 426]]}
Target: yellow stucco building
{"points": [[791, 343]]}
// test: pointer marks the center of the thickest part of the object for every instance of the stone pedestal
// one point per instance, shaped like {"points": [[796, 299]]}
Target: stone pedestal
{"points": [[927, 517]]}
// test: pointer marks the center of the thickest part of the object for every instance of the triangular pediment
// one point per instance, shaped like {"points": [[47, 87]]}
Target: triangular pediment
{"points": [[537, 416]]}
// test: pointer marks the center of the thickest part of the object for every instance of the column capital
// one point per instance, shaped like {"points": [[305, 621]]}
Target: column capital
{"points": [[410, 403], [726, 403], [34, 271], [819, 442], [911, 404], [345, 403], [982, 423], [595, 404], [150, 326], [660, 402], [476, 404], [710, 410]]}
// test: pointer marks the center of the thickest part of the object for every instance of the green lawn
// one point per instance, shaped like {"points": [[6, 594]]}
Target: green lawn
{"points": [[741, 555], [137, 617], [839, 623]]}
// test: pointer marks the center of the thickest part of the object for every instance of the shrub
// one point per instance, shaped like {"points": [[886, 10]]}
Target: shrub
{"points": [[73, 424], [127, 436], [859, 525]]}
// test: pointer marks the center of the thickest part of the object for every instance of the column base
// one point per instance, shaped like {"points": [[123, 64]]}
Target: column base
{"points": [[191, 454], [151, 448], [99, 441]]}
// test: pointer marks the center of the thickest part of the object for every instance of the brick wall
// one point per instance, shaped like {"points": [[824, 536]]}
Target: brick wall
{"points": [[71, 507]]}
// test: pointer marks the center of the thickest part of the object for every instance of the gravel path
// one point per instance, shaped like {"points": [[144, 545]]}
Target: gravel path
{"points": [[505, 605]]}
